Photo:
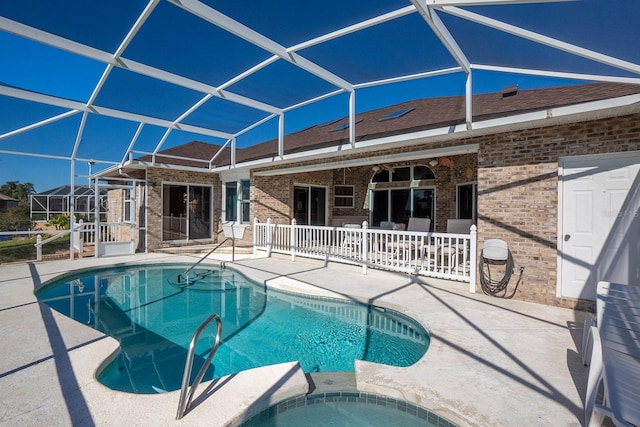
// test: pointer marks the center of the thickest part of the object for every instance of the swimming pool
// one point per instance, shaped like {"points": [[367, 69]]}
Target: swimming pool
{"points": [[154, 315]]}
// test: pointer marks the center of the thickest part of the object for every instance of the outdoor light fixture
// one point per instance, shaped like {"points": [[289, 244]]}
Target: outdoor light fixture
{"points": [[376, 168], [433, 163]]}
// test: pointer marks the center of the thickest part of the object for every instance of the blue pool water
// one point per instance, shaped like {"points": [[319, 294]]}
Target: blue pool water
{"points": [[154, 316], [346, 409]]}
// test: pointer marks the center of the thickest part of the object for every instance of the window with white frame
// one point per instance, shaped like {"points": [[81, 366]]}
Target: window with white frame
{"points": [[343, 196], [237, 200]]}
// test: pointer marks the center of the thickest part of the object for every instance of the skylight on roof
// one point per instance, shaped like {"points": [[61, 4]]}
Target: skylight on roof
{"points": [[397, 113], [343, 126]]}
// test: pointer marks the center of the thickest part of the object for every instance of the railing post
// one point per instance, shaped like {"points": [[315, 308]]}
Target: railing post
{"points": [[473, 265], [269, 237], [255, 235], [293, 242], [39, 247], [365, 252], [80, 238]]}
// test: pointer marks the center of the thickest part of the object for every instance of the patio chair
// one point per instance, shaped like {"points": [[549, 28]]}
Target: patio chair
{"points": [[407, 245], [419, 224], [614, 356], [387, 225], [449, 248], [350, 243]]}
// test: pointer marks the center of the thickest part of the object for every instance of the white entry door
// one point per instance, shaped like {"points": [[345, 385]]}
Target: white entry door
{"points": [[599, 235]]}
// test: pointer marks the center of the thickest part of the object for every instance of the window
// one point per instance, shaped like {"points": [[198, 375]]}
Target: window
{"points": [[401, 174], [245, 200], [127, 205], [237, 199], [466, 201], [343, 196], [344, 126], [399, 195], [231, 201], [186, 212], [396, 114]]}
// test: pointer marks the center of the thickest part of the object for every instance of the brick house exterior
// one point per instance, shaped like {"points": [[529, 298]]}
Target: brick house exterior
{"points": [[515, 169]]}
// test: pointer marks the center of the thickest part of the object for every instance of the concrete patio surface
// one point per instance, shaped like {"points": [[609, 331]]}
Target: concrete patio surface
{"points": [[491, 362]]}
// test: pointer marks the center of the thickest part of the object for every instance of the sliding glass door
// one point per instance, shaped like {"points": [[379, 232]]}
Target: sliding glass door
{"points": [[186, 212], [310, 205]]}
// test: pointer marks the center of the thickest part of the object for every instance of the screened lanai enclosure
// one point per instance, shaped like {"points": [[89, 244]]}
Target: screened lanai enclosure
{"points": [[119, 85], [57, 201]]}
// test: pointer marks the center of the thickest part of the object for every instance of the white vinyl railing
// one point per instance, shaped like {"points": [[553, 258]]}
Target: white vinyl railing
{"points": [[442, 255]]}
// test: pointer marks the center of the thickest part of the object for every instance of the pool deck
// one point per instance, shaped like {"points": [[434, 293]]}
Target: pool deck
{"points": [[492, 362]]}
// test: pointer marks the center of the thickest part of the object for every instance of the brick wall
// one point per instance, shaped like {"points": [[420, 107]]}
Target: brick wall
{"points": [[518, 193], [516, 174]]}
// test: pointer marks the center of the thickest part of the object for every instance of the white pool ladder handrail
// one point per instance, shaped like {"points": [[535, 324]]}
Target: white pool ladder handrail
{"points": [[188, 270], [187, 392]]}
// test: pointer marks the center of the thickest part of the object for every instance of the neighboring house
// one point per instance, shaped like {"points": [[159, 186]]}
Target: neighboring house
{"points": [[553, 172], [7, 202], [57, 201]]}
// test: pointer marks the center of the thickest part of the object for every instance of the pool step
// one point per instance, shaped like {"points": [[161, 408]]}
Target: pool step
{"points": [[203, 249]]}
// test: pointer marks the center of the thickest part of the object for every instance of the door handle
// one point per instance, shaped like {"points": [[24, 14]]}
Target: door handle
{"points": [[567, 237]]}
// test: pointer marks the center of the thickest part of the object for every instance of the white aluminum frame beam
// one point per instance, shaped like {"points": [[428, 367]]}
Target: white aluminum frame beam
{"points": [[558, 74], [234, 27], [441, 31], [542, 39], [127, 64], [108, 112], [39, 124], [487, 2], [445, 37]]}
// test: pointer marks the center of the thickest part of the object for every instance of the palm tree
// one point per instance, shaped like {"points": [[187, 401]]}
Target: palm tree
{"points": [[17, 190]]}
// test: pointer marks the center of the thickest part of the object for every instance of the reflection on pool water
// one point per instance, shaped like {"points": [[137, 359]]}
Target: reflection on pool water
{"points": [[346, 409], [154, 316]]}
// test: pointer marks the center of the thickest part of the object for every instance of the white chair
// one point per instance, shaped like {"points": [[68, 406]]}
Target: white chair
{"points": [[614, 356]]}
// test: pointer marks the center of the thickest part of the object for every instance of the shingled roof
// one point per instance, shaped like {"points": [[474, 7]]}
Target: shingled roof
{"points": [[410, 116]]}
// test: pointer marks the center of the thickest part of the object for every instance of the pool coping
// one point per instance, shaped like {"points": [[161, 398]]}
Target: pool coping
{"points": [[49, 375]]}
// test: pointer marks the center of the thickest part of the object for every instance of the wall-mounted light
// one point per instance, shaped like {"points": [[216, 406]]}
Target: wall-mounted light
{"points": [[433, 163], [376, 168]]}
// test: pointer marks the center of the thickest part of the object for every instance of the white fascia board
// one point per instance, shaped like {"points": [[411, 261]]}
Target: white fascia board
{"points": [[137, 164], [553, 116], [389, 158], [571, 113]]}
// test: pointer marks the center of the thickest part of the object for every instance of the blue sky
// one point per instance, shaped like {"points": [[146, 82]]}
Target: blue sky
{"points": [[178, 42]]}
